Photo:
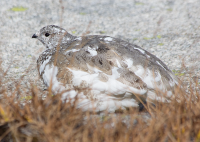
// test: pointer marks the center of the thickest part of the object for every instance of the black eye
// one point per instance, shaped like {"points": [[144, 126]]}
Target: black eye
{"points": [[47, 34]]}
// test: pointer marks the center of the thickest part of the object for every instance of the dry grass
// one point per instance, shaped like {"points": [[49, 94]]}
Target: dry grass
{"points": [[36, 119]]}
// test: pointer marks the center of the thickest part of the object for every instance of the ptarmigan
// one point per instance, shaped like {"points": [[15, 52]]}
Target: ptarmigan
{"points": [[105, 72]]}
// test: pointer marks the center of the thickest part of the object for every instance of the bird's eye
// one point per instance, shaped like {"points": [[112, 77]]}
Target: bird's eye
{"points": [[47, 34]]}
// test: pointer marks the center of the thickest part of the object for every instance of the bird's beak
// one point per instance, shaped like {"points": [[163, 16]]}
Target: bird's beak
{"points": [[34, 36]]}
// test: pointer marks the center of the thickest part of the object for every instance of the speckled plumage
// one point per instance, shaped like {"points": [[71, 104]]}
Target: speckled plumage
{"points": [[105, 72]]}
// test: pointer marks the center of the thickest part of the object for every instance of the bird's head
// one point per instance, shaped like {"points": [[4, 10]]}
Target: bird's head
{"points": [[50, 35]]}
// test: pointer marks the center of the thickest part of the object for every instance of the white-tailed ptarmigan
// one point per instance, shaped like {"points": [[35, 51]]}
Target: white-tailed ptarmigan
{"points": [[105, 72]]}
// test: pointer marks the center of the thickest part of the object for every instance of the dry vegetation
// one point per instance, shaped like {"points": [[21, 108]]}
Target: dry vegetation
{"points": [[32, 118]]}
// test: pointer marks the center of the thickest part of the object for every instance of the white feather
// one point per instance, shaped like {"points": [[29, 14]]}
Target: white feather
{"points": [[49, 76], [129, 62], [108, 39], [92, 51], [160, 64], [44, 64], [142, 51]]}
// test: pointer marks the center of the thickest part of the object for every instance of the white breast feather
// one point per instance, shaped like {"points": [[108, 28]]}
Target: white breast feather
{"points": [[49, 76], [44, 64]]}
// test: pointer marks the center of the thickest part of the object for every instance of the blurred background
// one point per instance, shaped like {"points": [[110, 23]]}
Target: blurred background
{"points": [[169, 29]]}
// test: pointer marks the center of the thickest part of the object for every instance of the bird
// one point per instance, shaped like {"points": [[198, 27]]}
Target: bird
{"points": [[103, 72]]}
